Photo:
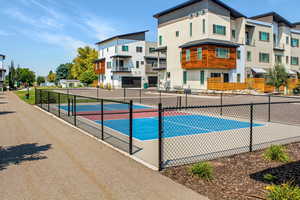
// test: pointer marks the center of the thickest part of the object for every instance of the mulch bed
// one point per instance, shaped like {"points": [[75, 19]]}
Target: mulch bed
{"points": [[240, 177]]}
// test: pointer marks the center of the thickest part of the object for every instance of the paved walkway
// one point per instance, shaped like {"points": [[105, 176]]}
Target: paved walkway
{"points": [[43, 158]]}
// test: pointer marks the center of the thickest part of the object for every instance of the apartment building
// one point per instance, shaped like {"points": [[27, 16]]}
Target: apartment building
{"points": [[128, 61], [207, 39], [2, 71]]}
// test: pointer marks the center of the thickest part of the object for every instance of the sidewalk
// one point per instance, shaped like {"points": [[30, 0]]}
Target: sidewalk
{"points": [[43, 158]]}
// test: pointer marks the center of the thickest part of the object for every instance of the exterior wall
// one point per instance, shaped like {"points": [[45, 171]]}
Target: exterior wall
{"points": [[209, 59]]}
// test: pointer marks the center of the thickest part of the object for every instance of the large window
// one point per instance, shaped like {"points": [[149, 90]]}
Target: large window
{"points": [[125, 48], [264, 57], [137, 64], [287, 40], [238, 78], [139, 49], [238, 54], [188, 55], [199, 53], [264, 36], [222, 53], [203, 26], [249, 56], [184, 77], [295, 42], [215, 75], [177, 33], [295, 61], [218, 29], [191, 29], [108, 65], [160, 40], [233, 33]]}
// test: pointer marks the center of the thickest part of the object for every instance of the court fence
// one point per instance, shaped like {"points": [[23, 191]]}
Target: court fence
{"points": [[184, 133]]}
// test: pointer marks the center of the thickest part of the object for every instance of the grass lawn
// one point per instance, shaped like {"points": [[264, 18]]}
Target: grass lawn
{"points": [[22, 95]]}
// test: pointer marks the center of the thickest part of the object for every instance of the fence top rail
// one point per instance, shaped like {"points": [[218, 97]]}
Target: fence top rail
{"points": [[228, 105]]}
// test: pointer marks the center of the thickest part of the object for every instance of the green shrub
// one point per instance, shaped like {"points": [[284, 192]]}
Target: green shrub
{"points": [[285, 191], [203, 170], [270, 177], [276, 153]]}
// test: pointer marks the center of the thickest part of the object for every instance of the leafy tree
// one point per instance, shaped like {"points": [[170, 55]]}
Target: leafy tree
{"points": [[278, 77], [88, 77], [40, 80], [26, 77], [63, 71], [12, 75], [51, 77], [84, 61]]}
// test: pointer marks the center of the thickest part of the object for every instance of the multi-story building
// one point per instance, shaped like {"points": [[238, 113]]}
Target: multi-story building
{"points": [[207, 38], [2, 71], [128, 61]]}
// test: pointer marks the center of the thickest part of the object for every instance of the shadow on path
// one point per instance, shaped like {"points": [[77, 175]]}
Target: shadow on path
{"points": [[15, 155], [284, 173], [7, 112]]}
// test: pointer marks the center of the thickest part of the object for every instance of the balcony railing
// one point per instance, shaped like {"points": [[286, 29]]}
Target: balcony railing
{"points": [[121, 69]]}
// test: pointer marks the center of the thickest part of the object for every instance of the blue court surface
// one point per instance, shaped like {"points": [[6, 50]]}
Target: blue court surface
{"points": [[179, 125], [107, 107]]}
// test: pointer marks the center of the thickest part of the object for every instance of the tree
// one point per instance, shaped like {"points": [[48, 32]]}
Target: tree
{"points": [[88, 77], [40, 80], [26, 76], [278, 77], [63, 71], [84, 61], [51, 77], [12, 75]]}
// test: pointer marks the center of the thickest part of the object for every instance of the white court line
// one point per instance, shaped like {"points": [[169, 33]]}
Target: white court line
{"points": [[194, 127]]}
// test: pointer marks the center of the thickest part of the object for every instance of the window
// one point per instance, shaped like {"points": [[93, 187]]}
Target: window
{"points": [[107, 49], [287, 60], [238, 54], [218, 29], [287, 40], [238, 78], [264, 36], [202, 77], [278, 59], [191, 29], [203, 26], [151, 50], [108, 64], [215, 75], [199, 53], [233, 33], [295, 61], [177, 33], [184, 77], [137, 64], [125, 48], [160, 40], [168, 74], [264, 57], [142, 62], [222, 53], [139, 49], [188, 55], [249, 56], [294, 42]]}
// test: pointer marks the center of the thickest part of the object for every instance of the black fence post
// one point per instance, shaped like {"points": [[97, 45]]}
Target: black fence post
{"points": [[186, 99], [180, 102], [102, 119], [35, 100], [97, 92], [160, 135], [69, 104], [269, 109], [124, 94], [140, 96], [41, 100], [58, 104], [48, 100], [251, 127], [221, 103], [159, 96], [130, 126], [74, 111]]}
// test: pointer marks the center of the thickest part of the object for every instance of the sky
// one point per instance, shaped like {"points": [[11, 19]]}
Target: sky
{"points": [[41, 34]]}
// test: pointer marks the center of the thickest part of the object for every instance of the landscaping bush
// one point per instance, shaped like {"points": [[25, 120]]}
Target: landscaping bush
{"points": [[283, 192], [270, 177], [277, 153], [203, 170]]}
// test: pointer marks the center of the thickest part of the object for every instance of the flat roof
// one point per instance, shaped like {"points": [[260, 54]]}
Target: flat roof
{"points": [[278, 18], [121, 36], [211, 42], [233, 12]]}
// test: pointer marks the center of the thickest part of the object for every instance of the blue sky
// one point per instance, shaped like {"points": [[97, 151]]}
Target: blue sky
{"points": [[41, 34]]}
